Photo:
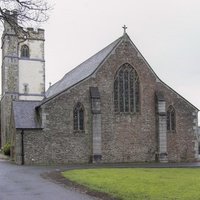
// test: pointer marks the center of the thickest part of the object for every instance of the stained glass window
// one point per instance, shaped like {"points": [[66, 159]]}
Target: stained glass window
{"points": [[78, 117], [126, 90], [171, 119]]}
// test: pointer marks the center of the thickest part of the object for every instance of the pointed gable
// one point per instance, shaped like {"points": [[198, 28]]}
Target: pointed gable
{"points": [[82, 71], [88, 67]]}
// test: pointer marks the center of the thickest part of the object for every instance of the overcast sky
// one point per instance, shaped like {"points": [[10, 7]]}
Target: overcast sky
{"points": [[167, 33]]}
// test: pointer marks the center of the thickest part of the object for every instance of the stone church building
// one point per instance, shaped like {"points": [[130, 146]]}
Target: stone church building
{"points": [[111, 108]]}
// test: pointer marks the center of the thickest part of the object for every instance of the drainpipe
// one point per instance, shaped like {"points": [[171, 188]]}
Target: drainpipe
{"points": [[22, 147]]}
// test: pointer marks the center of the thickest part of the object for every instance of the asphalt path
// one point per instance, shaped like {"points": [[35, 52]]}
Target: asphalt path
{"points": [[25, 183]]}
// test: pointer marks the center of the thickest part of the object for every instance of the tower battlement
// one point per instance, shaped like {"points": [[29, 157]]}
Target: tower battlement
{"points": [[28, 33], [25, 33], [35, 33]]}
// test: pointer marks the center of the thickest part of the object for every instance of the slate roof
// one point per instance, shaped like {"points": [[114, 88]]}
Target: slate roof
{"points": [[82, 71], [88, 67], [25, 115]]}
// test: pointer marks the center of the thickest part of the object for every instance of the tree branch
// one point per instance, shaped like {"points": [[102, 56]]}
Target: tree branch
{"points": [[29, 12]]}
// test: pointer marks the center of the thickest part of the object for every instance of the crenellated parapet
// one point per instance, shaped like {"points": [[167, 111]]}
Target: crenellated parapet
{"points": [[21, 32], [36, 34]]}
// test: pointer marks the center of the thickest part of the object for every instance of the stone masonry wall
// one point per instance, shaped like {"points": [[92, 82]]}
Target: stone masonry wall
{"points": [[181, 142], [58, 142], [126, 137], [9, 79]]}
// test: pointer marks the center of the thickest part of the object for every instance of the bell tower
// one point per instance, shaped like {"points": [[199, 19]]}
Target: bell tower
{"points": [[23, 71], [31, 66]]}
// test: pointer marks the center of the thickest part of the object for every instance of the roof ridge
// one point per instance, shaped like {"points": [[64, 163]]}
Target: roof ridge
{"points": [[87, 60], [91, 64]]}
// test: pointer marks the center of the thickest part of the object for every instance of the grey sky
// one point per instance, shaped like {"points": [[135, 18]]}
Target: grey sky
{"points": [[167, 33]]}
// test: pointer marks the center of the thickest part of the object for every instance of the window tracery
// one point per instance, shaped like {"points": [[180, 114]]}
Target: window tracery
{"points": [[25, 51], [79, 117], [171, 118], [126, 90]]}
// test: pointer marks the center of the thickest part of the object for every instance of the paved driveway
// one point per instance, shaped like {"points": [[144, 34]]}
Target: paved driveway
{"points": [[25, 183]]}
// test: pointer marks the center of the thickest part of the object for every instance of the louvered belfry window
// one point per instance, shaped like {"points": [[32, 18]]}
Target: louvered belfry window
{"points": [[25, 51], [78, 117], [126, 90]]}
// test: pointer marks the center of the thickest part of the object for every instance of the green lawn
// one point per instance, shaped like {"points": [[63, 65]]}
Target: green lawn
{"points": [[140, 184]]}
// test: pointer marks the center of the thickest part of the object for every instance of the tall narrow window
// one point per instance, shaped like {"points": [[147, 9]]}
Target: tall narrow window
{"points": [[199, 148], [78, 117], [171, 119], [25, 51], [126, 90], [26, 89]]}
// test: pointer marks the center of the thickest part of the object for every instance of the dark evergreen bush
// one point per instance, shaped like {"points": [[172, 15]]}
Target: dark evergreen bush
{"points": [[6, 149]]}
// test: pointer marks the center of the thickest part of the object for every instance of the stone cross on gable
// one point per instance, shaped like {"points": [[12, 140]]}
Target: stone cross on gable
{"points": [[124, 27]]}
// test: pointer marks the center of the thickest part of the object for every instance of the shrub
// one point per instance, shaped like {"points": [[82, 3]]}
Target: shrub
{"points": [[6, 149]]}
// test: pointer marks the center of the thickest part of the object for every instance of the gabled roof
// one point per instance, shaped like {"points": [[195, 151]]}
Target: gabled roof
{"points": [[82, 71], [25, 115], [87, 68]]}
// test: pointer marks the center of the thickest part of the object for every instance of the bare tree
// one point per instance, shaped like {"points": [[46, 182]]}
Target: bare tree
{"points": [[27, 12]]}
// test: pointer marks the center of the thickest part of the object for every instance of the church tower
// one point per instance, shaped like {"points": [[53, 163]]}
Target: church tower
{"points": [[23, 71]]}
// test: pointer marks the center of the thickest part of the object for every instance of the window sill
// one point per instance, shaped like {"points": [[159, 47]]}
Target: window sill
{"points": [[79, 131], [126, 113], [171, 131]]}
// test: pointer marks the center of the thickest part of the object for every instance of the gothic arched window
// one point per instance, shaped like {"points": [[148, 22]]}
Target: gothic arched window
{"points": [[25, 51], [171, 119], [126, 90], [78, 117]]}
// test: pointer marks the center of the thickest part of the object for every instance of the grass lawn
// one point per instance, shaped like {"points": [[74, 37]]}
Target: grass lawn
{"points": [[140, 184]]}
